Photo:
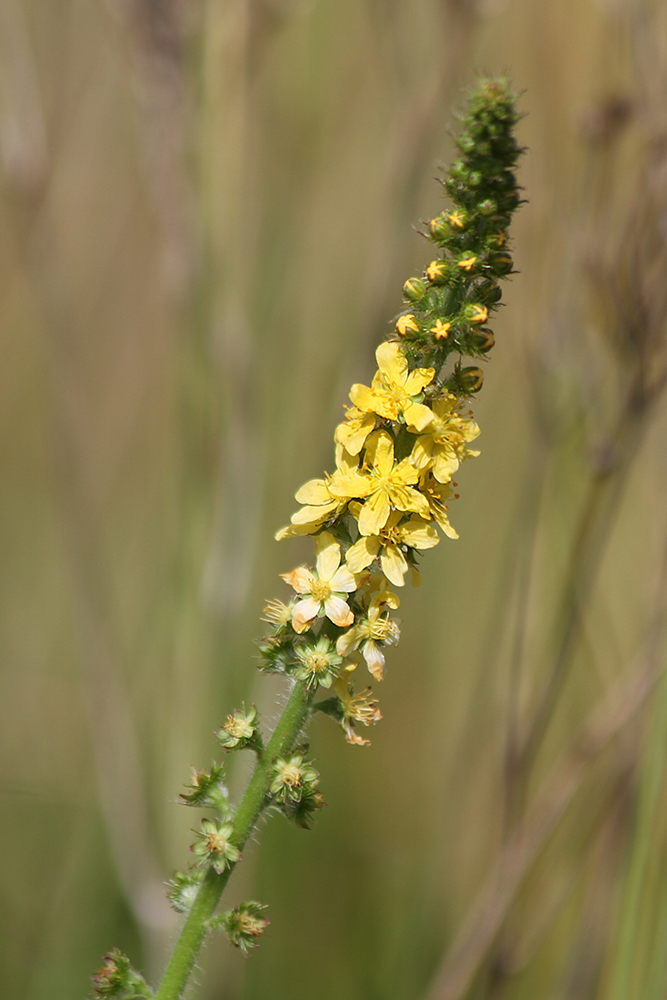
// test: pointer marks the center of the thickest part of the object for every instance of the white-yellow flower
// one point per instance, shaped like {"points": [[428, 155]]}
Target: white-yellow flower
{"points": [[323, 591]]}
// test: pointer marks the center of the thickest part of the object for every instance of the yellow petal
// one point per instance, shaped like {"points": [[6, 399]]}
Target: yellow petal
{"points": [[328, 555], [421, 452], [392, 362], [374, 513], [374, 658], [417, 416], [406, 498], [394, 565], [301, 579], [314, 515], [303, 613], [419, 534], [343, 581], [362, 397], [348, 641], [313, 492], [405, 474], [380, 452], [362, 553], [445, 463], [338, 611], [418, 379], [350, 484]]}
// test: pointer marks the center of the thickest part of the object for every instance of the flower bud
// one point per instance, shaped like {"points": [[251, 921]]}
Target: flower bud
{"points": [[481, 341], [437, 272], [489, 292], [414, 289], [475, 313], [500, 263], [487, 207], [465, 381], [407, 324], [439, 228]]}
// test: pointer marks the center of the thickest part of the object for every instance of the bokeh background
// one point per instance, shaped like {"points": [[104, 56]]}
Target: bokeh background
{"points": [[208, 210]]}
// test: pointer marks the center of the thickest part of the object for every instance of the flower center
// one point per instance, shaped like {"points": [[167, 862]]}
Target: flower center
{"points": [[216, 843], [291, 775], [321, 591], [317, 661], [238, 728]]}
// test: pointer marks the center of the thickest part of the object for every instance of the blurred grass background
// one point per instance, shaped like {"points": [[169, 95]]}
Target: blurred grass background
{"points": [[208, 210]]}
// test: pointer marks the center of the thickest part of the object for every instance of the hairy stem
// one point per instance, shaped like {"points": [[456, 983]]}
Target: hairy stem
{"points": [[194, 930]]}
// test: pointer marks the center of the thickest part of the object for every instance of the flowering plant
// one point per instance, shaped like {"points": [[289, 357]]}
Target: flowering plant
{"points": [[397, 450]]}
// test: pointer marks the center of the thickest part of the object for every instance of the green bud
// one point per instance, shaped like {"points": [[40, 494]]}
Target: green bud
{"points": [[489, 292], [465, 381], [481, 341], [439, 228], [500, 263], [487, 207], [414, 289], [471, 379]]}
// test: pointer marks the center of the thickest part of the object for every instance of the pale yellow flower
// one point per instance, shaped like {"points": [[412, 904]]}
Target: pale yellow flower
{"points": [[386, 485], [415, 533], [393, 389], [444, 446], [324, 590], [375, 628], [355, 707]]}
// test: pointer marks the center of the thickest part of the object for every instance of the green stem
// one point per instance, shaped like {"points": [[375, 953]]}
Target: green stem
{"points": [[195, 927]]}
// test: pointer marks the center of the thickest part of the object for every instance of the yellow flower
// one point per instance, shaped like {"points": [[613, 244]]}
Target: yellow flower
{"points": [[354, 430], [355, 707], [323, 591], [386, 485], [436, 493], [441, 330], [456, 219], [406, 323], [415, 533], [444, 446], [320, 504], [374, 629], [468, 262], [393, 389], [435, 270]]}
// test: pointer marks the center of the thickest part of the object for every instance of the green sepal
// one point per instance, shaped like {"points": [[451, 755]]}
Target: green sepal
{"points": [[182, 889], [117, 980], [206, 790], [243, 925]]}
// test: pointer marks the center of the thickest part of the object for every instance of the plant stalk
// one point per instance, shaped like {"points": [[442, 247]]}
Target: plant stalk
{"points": [[195, 928]]}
